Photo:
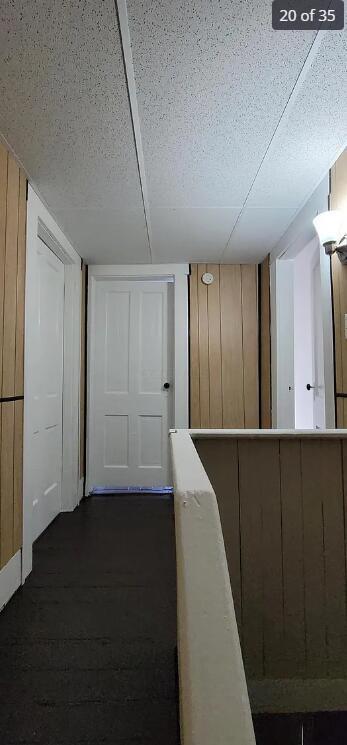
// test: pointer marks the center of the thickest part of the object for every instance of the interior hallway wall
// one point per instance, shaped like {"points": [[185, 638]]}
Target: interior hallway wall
{"points": [[13, 187], [224, 340], [304, 336], [265, 344], [338, 200]]}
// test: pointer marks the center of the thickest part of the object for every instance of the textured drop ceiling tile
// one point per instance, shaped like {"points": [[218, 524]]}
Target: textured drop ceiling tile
{"points": [[65, 111], [314, 134], [191, 234], [107, 236], [212, 81], [256, 233]]}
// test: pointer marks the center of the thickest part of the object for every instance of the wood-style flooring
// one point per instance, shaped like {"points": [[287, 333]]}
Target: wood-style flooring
{"points": [[87, 646]]}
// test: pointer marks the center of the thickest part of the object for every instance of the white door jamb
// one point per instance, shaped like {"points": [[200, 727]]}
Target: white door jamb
{"points": [[40, 223]]}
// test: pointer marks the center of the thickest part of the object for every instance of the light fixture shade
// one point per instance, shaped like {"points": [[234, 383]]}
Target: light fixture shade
{"points": [[329, 226]]}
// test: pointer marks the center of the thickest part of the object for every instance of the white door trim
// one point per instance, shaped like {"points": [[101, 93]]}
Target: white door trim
{"points": [[277, 298], [40, 223], [10, 579], [178, 275]]}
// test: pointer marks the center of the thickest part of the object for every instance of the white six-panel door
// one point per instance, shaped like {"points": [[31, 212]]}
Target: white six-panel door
{"points": [[47, 409], [130, 365]]}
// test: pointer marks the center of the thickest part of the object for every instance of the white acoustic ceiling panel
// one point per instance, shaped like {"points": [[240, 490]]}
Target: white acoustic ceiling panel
{"points": [[65, 111], [308, 142], [212, 81], [255, 234], [314, 134], [108, 236], [191, 234], [236, 123], [233, 115]]}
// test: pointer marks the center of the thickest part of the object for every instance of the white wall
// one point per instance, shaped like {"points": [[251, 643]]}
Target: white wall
{"points": [[284, 340], [301, 231], [299, 235], [303, 336]]}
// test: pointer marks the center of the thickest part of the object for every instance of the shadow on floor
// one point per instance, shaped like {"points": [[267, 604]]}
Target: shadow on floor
{"points": [[87, 646]]}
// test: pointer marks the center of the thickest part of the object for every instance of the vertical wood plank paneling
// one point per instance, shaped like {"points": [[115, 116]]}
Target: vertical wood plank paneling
{"points": [[334, 556], [344, 477], [194, 348], [18, 477], [266, 465], [338, 200], [214, 348], [249, 290], [232, 350], [265, 345], [7, 482], [204, 374], [294, 649], [291, 543], [224, 375], [220, 459], [21, 253], [3, 205], [314, 569], [10, 289], [339, 413], [251, 531]]}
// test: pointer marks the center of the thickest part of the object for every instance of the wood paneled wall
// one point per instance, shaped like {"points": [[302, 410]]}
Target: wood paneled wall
{"points": [[283, 504], [265, 344], [13, 187], [224, 379], [338, 200]]}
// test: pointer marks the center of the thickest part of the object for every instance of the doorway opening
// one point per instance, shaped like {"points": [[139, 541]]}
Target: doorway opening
{"points": [[304, 390], [137, 375]]}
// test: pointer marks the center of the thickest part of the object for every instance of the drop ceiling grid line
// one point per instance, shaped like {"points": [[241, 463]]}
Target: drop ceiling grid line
{"points": [[273, 254], [122, 13], [311, 55], [33, 184]]}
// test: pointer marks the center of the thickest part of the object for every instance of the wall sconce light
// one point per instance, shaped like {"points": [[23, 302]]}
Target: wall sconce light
{"points": [[329, 227]]}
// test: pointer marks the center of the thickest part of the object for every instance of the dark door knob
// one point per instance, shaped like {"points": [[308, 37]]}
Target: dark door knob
{"points": [[166, 386], [309, 386]]}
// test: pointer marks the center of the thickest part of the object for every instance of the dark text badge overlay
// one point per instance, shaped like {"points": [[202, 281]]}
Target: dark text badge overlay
{"points": [[306, 15]]}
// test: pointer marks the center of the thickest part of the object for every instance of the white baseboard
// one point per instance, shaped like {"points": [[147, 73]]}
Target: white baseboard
{"points": [[297, 695], [10, 579]]}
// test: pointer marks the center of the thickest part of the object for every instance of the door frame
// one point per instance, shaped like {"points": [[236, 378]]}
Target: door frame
{"points": [[177, 274], [278, 282], [41, 224]]}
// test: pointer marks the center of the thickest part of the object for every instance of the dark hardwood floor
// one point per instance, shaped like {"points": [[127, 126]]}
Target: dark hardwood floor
{"points": [[319, 728], [87, 646]]}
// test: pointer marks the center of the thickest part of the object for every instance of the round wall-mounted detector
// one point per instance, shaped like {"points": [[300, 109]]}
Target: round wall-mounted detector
{"points": [[207, 278]]}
